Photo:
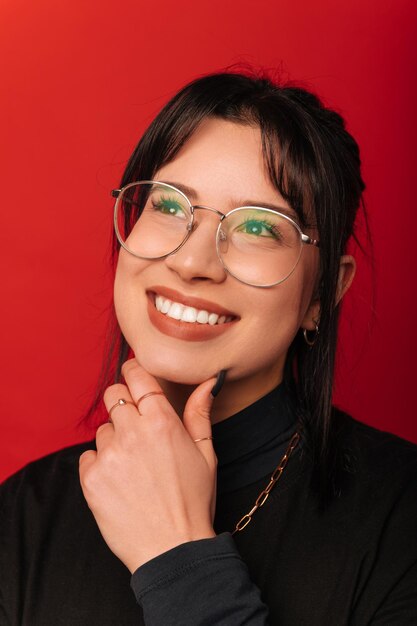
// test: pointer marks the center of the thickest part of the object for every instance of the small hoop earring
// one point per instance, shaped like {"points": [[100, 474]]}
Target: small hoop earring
{"points": [[311, 342]]}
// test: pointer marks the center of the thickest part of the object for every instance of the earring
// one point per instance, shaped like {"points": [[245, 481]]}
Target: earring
{"points": [[311, 342]]}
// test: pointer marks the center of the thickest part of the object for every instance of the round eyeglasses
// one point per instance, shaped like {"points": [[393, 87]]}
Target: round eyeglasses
{"points": [[258, 246]]}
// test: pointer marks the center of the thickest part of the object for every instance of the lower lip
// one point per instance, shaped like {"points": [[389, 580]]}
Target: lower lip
{"points": [[188, 331]]}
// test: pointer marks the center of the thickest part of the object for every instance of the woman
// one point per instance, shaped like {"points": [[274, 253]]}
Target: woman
{"points": [[232, 222]]}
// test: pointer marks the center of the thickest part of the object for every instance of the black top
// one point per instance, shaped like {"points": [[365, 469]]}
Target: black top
{"points": [[354, 563], [250, 443]]}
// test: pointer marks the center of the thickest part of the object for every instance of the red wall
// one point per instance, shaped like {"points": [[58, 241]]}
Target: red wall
{"points": [[80, 81]]}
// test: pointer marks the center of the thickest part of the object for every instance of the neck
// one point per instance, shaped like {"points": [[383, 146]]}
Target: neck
{"points": [[234, 396]]}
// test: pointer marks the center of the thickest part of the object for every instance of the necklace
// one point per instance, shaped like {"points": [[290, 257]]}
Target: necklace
{"points": [[276, 475]]}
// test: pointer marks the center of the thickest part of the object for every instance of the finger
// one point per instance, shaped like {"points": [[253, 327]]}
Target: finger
{"points": [[87, 459], [140, 384], [197, 422], [120, 414], [104, 435]]}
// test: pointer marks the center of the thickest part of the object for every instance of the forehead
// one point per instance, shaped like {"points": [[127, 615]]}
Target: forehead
{"points": [[223, 163]]}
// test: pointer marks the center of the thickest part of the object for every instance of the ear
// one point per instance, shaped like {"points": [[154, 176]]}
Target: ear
{"points": [[347, 270]]}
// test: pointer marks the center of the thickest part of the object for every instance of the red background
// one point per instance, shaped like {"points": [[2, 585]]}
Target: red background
{"points": [[80, 81]]}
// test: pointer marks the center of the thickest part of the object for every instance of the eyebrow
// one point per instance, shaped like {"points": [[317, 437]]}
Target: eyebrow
{"points": [[193, 195]]}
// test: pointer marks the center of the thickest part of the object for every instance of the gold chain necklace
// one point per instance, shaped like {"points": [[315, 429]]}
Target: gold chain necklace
{"points": [[276, 475]]}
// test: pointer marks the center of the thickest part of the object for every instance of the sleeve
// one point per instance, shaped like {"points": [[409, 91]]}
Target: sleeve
{"points": [[199, 583]]}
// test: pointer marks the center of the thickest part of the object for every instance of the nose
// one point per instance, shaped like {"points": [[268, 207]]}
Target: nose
{"points": [[197, 259]]}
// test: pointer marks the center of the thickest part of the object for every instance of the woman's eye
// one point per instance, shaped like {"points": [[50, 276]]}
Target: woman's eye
{"points": [[169, 207], [259, 229]]}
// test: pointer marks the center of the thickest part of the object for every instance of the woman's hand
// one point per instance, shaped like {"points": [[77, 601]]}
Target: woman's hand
{"points": [[149, 486]]}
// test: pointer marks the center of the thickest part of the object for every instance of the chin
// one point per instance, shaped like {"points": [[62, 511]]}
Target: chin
{"points": [[175, 370]]}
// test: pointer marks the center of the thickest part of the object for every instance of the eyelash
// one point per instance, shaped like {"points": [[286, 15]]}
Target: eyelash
{"points": [[165, 203], [269, 227]]}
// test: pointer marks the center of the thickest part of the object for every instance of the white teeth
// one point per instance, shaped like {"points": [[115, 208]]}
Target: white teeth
{"points": [[189, 314], [175, 311], [202, 317], [165, 306], [212, 319]]}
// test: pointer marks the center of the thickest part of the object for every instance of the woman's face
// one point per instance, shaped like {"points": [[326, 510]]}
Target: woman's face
{"points": [[222, 163]]}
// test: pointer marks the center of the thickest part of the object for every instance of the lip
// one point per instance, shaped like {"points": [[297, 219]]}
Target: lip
{"points": [[197, 303], [184, 330]]}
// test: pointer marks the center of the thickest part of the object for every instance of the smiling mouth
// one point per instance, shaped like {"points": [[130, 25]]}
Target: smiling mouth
{"points": [[189, 314]]}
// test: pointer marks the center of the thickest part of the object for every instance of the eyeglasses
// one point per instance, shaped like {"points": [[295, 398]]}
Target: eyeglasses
{"points": [[258, 246]]}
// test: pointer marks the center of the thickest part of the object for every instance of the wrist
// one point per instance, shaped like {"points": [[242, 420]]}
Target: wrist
{"points": [[134, 561]]}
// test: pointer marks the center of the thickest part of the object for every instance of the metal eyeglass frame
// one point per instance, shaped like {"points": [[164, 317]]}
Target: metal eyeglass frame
{"points": [[118, 194]]}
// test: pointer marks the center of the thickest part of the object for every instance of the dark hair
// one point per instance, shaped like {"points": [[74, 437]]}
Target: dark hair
{"points": [[314, 163]]}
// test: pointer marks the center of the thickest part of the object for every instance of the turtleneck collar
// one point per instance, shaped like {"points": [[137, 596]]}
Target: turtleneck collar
{"points": [[249, 444]]}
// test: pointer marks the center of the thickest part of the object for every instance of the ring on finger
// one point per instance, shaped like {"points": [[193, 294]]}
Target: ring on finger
{"points": [[120, 402], [202, 439], [148, 395]]}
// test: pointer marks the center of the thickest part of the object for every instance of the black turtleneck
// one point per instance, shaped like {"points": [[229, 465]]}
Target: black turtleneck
{"points": [[294, 564], [249, 444]]}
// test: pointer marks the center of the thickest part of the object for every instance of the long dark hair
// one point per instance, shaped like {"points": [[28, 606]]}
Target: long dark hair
{"points": [[314, 163]]}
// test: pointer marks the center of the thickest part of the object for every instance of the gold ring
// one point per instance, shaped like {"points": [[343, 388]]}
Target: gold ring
{"points": [[120, 402], [202, 439], [147, 395]]}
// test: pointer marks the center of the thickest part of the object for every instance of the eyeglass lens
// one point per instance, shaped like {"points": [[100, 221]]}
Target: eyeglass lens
{"points": [[257, 246]]}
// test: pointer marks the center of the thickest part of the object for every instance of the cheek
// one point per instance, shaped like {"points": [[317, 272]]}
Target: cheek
{"points": [[127, 293], [286, 304], [120, 293], [280, 312]]}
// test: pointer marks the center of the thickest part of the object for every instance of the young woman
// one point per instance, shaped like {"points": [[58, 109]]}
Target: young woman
{"points": [[224, 482]]}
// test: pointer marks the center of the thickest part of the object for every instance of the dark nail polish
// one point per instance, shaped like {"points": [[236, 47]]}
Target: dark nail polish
{"points": [[219, 383]]}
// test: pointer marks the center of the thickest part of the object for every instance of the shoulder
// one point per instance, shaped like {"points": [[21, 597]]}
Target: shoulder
{"points": [[371, 447], [55, 473], [373, 461]]}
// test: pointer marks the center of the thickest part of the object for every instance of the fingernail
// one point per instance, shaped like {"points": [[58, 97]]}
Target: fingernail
{"points": [[219, 383]]}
